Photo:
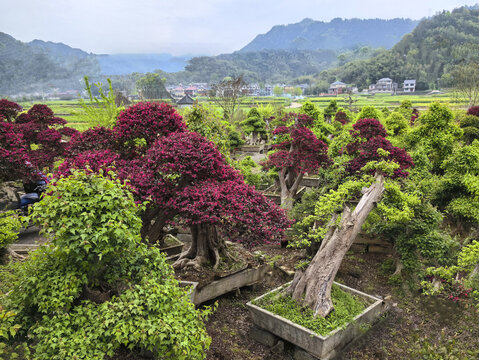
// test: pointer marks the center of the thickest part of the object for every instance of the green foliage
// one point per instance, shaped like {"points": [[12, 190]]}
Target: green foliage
{"points": [[251, 171], [346, 307], [436, 133], [208, 123], [152, 86], [311, 110], [470, 125], [96, 288], [412, 225], [10, 224], [254, 123], [324, 209], [331, 109], [369, 112], [396, 124], [458, 189], [100, 111]]}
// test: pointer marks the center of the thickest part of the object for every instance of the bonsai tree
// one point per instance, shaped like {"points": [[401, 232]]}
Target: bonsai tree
{"points": [[254, 125], [341, 224], [436, 134], [297, 152], [183, 177], [95, 288], [41, 134], [330, 110]]}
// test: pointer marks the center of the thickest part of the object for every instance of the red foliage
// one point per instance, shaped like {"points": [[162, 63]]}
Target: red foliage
{"points": [[14, 159], [414, 116], [180, 172], [369, 135], [147, 121], [40, 134], [9, 110], [300, 151], [474, 110], [98, 138], [342, 117]]}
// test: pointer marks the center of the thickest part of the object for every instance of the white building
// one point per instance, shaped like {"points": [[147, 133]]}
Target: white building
{"points": [[409, 85]]}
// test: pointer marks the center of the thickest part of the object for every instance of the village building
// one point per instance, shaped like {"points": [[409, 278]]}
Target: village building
{"points": [[186, 100], [384, 85], [409, 86], [337, 87]]}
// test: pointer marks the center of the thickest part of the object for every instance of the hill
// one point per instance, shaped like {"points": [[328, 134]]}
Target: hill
{"points": [[122, 64], [338, 34], [428, 54], [21, 66]]}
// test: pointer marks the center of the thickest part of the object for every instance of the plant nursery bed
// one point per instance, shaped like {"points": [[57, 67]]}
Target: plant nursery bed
{"points": [[330, 335]]}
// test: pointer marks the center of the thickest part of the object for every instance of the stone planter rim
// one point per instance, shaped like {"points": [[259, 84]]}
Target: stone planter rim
{"points": [[375, 301]]}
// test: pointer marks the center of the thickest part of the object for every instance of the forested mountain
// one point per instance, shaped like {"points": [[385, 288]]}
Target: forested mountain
{"points": [[272, 66], [21, 66], [428, 54], [338, 34], [123, 64]]}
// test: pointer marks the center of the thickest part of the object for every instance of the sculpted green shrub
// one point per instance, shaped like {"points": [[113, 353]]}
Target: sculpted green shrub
{"points": [[369, 112], [436, 133], [96, 288], [458, 190], [396, 124], [470, 125]]}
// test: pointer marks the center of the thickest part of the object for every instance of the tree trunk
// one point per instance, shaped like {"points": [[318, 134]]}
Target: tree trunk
{"points": [[154, 221], [288, 192], [206, 247], [316, 281]]}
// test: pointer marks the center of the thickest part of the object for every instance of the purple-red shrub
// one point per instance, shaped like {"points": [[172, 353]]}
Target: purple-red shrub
{"points": [[342, 117], [369, 135], [473, 110], [14, 159], [9, 110], [147, 122]]}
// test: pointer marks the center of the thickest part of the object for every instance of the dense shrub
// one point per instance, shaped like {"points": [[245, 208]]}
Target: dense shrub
{"points": [[96, 288]]}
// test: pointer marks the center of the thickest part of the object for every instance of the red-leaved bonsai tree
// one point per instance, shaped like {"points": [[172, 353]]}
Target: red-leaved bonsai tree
{"points": [[312, 287], [184, 178], [297, 152]]}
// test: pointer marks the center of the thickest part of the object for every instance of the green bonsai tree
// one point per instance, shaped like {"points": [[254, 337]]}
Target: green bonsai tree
{"points": [[95, 288], [254, 125]]}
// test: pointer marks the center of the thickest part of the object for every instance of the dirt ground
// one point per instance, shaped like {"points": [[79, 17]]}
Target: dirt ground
{"points": [[416, 327]]}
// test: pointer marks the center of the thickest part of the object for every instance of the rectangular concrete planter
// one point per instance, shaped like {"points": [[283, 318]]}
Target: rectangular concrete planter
{"points": [[174, 248], [322, 347], [309, 181], [228, 283], [252, 148]]}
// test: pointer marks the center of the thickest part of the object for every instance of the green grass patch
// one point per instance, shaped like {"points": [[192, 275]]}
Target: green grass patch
{"points": [[346, 308]]}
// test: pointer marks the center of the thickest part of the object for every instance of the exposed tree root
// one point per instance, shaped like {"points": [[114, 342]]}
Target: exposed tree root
{"points": [[15, 256]]}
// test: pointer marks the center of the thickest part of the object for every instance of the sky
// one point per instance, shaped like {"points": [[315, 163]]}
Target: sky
{"points": [[187, 27]]}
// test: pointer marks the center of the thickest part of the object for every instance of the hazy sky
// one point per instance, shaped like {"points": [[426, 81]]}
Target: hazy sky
{"points": [[188, 26]]}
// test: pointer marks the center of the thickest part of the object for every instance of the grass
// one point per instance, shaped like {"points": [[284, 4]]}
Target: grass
{"points": [[346, 308]]}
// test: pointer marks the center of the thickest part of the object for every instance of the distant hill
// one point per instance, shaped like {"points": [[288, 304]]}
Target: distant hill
{"points": [[122, 64], [338, 34], [21, 66], [428, 54]]}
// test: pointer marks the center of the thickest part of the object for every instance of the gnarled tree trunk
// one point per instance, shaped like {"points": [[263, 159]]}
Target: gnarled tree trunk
{"points": [[289, 187], [154, 220], [316, 281], [206, 247]]}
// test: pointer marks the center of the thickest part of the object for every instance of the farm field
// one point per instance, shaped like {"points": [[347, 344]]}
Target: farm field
{"points": [[71, 110]]}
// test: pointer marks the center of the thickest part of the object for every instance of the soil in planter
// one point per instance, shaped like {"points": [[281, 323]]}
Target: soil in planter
{"points": [[346, 307], [240, 259]]}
